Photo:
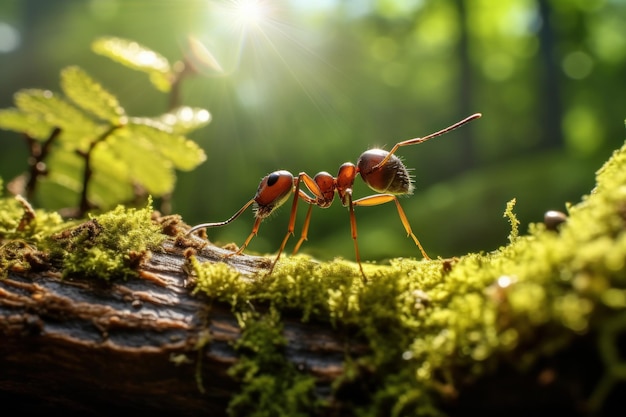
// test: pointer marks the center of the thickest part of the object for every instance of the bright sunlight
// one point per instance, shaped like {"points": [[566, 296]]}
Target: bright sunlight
{"points": [[249, 14]]}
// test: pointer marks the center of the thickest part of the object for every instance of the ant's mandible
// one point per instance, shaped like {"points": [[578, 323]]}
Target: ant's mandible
{"points": [[382, 171]]}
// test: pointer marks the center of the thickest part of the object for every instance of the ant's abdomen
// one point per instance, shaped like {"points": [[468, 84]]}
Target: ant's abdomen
{"points": [[392, 177]]}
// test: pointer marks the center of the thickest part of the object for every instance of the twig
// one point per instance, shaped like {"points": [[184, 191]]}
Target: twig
{"points": [[84, 205], [38, 154]]}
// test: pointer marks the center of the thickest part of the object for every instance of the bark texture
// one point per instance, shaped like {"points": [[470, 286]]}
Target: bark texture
{"points": [[100, 348]]}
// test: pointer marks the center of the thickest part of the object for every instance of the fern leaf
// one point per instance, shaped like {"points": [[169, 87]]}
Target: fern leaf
{"points": [[30, 124], [137, 57], [88, 94], [111, 181], [183, 153], [146, 166], [77, 129]]}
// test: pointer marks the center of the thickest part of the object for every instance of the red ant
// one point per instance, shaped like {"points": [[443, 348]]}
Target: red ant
{"points": [[382, 171]]}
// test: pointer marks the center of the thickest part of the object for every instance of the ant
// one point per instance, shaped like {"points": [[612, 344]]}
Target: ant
{"points": [[382, 171]]}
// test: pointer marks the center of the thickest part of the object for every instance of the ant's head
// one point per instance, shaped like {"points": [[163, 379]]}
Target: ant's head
{"points": [[393, 177], [273, 191]]}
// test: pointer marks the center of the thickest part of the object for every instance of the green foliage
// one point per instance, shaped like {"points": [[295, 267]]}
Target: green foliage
{"points": [[28, 123], [430, 325], [80, 88], [102, 156], [137, 57], [78, 128], [108, 246]]}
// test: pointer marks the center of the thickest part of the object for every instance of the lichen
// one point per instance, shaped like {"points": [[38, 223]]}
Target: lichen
{"points": [[431, 323]]}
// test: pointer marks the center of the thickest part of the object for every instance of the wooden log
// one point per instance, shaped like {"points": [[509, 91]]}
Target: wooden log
{"points": [[99, 348]]}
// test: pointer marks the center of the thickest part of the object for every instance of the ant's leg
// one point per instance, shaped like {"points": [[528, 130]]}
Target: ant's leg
{"points": [[292, 222], [255, 230], [298, 194], [318, 195], [354, 234], [305, 230], [377, 199]]}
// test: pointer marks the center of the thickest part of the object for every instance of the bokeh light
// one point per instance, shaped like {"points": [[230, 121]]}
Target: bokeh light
{"points": [[9, 38]]}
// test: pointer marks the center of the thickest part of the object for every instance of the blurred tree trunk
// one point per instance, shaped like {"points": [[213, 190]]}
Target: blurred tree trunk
{"points": [[551, 108], [465, 102]]}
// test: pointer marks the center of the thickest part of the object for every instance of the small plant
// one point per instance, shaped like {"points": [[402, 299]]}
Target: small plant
{"points": [[87, 152]]}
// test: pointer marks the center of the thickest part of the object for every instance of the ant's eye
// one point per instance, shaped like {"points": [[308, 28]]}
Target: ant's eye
{"points": [[272, 178]]}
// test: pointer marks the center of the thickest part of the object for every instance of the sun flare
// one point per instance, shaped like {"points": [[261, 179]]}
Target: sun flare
{"points": [[250, 13], [262, 45]]}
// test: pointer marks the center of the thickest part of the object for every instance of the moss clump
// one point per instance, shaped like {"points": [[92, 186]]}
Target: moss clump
{"points": [[221, 281], [271, 386], [19, 221], [110, 245], [432, 324], [22, 231]]}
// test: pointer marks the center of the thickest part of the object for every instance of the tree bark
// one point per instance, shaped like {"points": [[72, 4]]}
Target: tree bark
{"points": [[100, 348]]}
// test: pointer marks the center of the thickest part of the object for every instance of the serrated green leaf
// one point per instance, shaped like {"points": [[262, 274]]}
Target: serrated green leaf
{"points": [[137, 57], [49, 106], [77, 129], [184, 120], [30, 124], [111, 181], [146, 165], [55, 196], [88, 94], [183, 153]]}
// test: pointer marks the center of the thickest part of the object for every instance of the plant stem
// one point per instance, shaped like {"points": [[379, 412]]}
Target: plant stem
{"points": [[84, 205], [38, 154]]}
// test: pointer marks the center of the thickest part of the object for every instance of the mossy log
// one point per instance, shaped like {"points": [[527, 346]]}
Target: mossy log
{"points": [[124, 312], [149, 345]]}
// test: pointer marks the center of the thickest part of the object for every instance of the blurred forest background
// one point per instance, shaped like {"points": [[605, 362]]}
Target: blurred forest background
{"points": [[308, 85]]}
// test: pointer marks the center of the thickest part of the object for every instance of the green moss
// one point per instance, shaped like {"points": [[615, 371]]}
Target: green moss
{"points": [[18, 221], [271, 386], [221, 281], [430, 324], [109, 245], [22, 230], [509, 214]]}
